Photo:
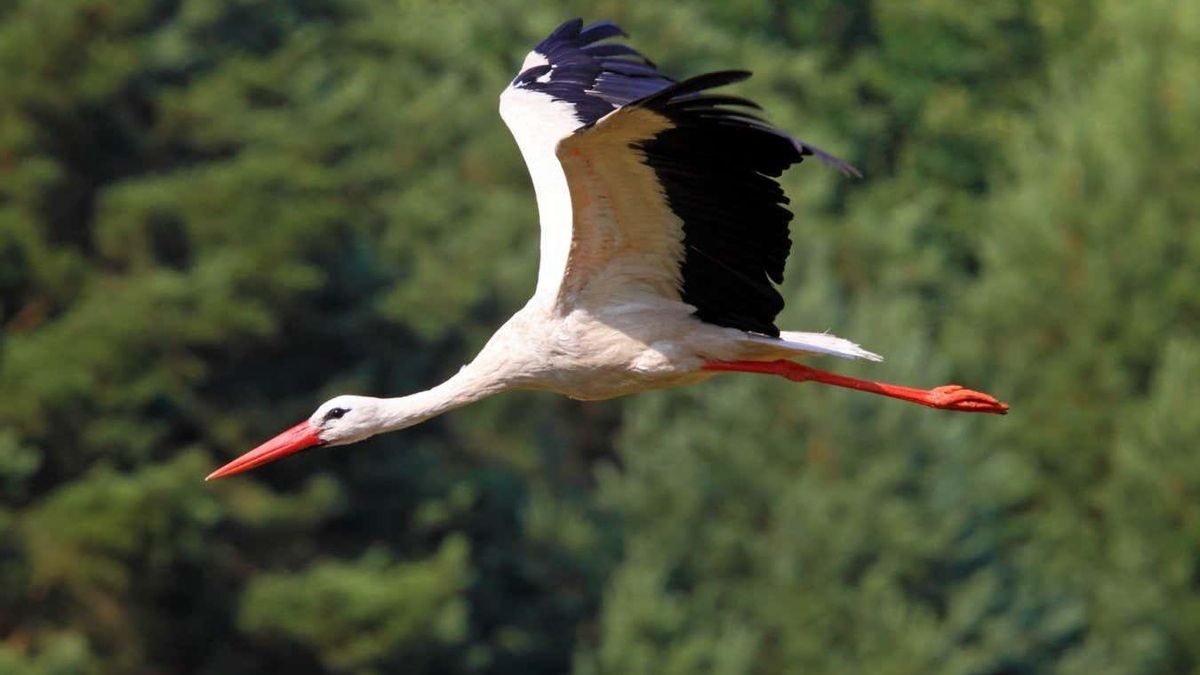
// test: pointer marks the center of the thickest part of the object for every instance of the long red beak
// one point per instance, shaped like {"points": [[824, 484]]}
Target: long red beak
{"points": [[299, 437]]}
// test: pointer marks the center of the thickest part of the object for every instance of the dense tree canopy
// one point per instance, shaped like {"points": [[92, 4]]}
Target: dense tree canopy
{"points": [[214, 214]]}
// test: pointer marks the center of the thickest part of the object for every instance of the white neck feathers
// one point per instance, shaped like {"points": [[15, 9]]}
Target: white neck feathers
{"points": [[470, 384]]}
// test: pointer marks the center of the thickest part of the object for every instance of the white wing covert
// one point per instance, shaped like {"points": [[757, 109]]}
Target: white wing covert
{"points": [[568, 81]]}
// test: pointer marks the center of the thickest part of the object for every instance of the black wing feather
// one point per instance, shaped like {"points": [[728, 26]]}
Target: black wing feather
{"points": [[717, 165], [595, 78]]}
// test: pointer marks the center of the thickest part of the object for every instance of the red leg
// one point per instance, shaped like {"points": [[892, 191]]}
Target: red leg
{"points": [[948, 397]]}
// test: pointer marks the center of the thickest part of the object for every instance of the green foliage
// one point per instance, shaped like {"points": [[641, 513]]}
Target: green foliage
{"points": [[56, 655], [357, 614], [216, 213]]}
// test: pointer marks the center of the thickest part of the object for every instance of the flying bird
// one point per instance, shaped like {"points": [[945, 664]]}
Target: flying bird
{"points": [[663, 236]]}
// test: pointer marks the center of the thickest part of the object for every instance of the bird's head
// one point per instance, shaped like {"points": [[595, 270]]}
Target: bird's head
{"points": [[338, 421]]}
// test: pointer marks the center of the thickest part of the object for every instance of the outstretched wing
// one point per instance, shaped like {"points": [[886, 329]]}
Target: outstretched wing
{"points": [[675, 194], [646, 186], [569, 80]]}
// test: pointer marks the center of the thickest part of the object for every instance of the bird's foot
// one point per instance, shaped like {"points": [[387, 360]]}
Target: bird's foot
{"points": [[954, 397]]}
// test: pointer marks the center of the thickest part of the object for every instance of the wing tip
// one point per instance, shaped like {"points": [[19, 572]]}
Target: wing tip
{"points": [[604, 28], [844, 167], [570, 27]]}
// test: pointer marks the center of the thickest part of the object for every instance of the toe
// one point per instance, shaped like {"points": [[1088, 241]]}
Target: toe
{"points": [[954, 397]]}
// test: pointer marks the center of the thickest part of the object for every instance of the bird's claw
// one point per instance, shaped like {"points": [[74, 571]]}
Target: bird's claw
{"points": [[954, 397]]}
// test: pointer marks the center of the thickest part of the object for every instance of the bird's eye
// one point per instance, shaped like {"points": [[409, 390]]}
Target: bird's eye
{"points": [[335, 413]]}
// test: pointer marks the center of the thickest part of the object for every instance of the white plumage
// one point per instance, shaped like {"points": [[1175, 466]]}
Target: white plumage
{"points": [[663, 234]]}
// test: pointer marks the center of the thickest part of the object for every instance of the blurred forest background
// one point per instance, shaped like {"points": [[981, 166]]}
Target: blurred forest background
{"points": [[214, 214]]}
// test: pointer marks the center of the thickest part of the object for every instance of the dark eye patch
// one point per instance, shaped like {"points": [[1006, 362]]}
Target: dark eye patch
{"points": [[336, 413]]}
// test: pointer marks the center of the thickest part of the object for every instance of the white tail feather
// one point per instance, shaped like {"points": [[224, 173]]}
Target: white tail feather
{"points": [[817, 343]]}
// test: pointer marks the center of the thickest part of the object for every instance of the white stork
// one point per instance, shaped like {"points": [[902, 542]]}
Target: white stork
{"points": [[663, 234]]}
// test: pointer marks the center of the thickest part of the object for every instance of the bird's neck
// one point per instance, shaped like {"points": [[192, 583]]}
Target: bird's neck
{"points": [[473, 382]]}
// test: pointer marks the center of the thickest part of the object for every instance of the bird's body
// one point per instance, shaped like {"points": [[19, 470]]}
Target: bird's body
{"points": [[663, 236], [590, 353], [597, 351]]}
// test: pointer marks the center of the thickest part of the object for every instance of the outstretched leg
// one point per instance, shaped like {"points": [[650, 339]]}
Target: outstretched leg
{"points": [[948, 397]]}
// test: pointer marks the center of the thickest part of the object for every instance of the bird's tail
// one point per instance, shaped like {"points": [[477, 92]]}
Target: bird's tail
{"points": [[795, 342]]}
